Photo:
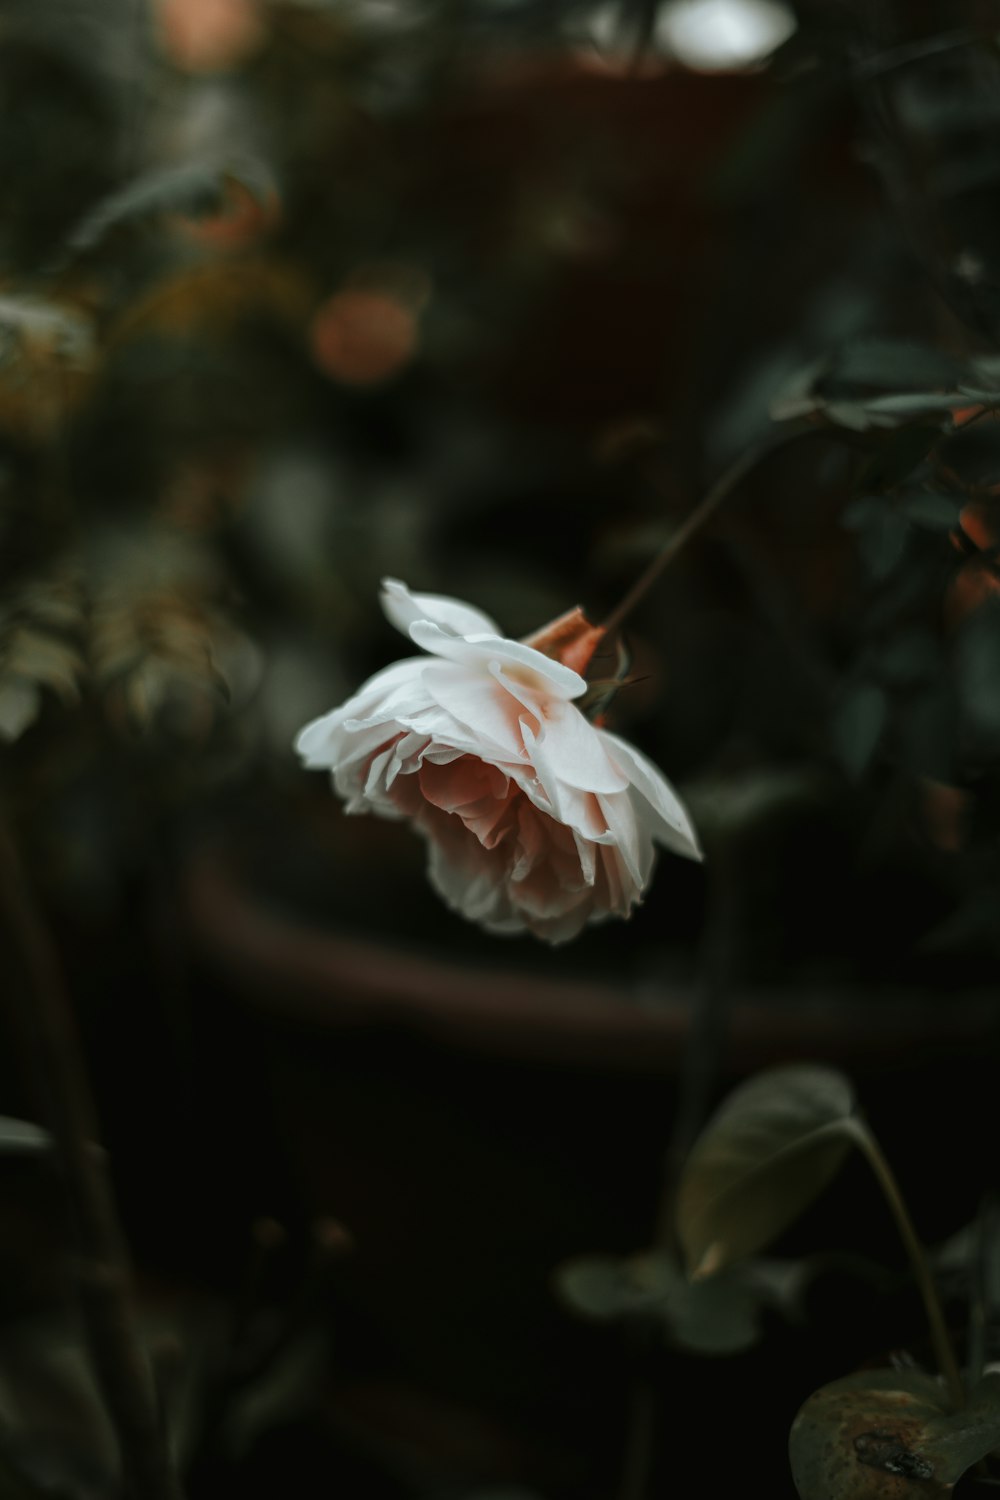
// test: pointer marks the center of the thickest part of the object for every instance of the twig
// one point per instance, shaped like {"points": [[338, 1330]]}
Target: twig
{"points": [[918, 51], [54, 1053], [940, 1340], [700, 516], [638, 1442]]}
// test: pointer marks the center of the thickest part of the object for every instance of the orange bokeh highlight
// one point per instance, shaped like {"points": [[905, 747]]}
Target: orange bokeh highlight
{"points": [[368, 332], [209, 36]]}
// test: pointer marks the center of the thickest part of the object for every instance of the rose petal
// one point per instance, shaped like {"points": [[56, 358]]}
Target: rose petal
{"points": [[465, 876], [319, 742], [402, 608], [475, 699], [572, 745], [672, 826], [634, 844], [579, 810], [524, 665]]}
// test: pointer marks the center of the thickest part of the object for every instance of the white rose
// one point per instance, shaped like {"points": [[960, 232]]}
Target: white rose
{"points": [[535, 819]]}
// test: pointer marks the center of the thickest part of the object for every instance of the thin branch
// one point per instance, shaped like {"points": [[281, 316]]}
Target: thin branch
{"points": [[918, 51], [703, 512], [638, 1455], [55, 1057], [943, 1351]]}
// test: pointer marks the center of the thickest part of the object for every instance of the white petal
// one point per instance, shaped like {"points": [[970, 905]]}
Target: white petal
{"points": [[479, 702], [468, 878], [396, 693], [402, 608], [634, 843], [573, 747], [669, 823], [320, 743], [566, 926], [587, 852], [533, 670], [567, 804], [451, 735]]}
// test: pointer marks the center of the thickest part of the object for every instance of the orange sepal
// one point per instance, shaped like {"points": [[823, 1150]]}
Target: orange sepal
{"points": [[570, 639]]}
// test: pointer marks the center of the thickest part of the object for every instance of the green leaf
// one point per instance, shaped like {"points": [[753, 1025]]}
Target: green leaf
{"points": [[931, 509], [882, 535], [764, 1156], [798, 397], [721, 1316], [196, 190], [892, 365], [858, 1438], [978, 664], [40, 624], [897, 457], [858, 725], [880, 1433], [597, 1287], [22, 1138], [64, 334], [20, 705], [909, 657], [960, 1439], [887, 410], [851, 414]]}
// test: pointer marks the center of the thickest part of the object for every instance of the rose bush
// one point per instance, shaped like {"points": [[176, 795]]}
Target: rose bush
{"points": [[535, 819]]}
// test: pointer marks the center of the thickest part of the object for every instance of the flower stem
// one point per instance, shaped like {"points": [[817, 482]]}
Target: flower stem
{"points": [[703, 512], [638, 1456], [46, 1028], [943, 1351]]}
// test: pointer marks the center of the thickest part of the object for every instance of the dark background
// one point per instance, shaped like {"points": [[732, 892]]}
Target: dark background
{"points": [[484, 296]]}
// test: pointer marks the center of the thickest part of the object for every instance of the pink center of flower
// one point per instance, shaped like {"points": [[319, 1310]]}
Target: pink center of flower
{"points": [[479, 817], [480, 794]]}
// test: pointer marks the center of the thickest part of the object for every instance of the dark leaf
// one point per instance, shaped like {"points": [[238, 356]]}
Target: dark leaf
{"points": [[22, 1138], [925, 726], [881, 1434], [195, 190], [889, 411], [908, 657], [721, 1316], [897, 457], [978, 667], [931, 509], [163, 653], [881, 531], [858, 725], [891, 365], [40, 626], [767, 1152]]}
